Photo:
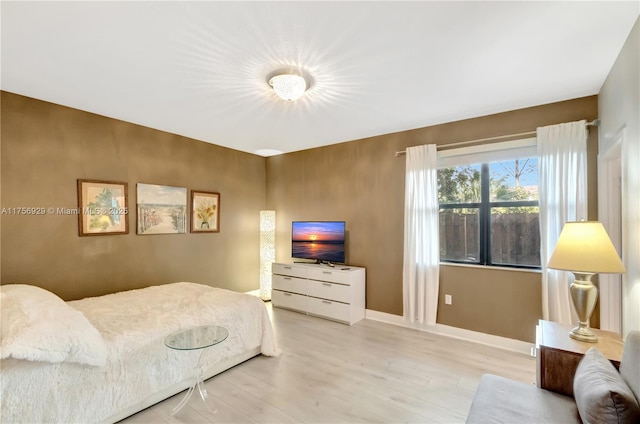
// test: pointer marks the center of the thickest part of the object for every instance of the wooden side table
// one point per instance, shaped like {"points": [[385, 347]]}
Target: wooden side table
{"points": [[558, 355]]}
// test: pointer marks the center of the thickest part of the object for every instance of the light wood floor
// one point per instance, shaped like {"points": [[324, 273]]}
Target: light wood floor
{"points": [[332, 373]]}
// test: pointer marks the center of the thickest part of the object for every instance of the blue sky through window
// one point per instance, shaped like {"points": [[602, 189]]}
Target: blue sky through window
{"points": [[529, 176]]}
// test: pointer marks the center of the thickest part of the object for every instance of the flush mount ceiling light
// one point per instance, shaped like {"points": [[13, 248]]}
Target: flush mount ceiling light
{"points": [[288, 85]]}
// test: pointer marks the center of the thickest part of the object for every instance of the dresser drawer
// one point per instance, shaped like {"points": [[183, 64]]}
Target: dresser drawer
{"points": [[289, 284], [289, 300], [290, 270], [330, 275], [329, 309], [336, 293], [330, 291]]}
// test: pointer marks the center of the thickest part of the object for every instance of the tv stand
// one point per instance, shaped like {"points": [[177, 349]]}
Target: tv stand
{"points": [[337, 293]]}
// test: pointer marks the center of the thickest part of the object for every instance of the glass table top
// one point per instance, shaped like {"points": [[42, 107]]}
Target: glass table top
{"points": [[196, 337]]}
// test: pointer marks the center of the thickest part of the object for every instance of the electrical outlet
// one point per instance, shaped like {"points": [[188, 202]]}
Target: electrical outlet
{"points": [[447, 299]]}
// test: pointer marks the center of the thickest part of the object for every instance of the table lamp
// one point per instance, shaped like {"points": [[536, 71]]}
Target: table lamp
{"points": [[584, 248]]}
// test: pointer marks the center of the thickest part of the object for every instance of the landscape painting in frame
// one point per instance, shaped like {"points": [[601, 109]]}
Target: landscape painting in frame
{"points": [[102, 208], [205, 212], [161, 209]]}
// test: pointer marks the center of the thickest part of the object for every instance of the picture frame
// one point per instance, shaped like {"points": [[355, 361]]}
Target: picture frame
{"points": [[205, 212], [103, 208], [161, 209]]}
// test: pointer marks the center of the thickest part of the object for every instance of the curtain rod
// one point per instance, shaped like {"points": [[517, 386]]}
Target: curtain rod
{"points": [[593, 123]]}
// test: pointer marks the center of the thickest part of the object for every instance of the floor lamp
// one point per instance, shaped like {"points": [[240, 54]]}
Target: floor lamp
{"points": [[267, 251], [584, 248]]}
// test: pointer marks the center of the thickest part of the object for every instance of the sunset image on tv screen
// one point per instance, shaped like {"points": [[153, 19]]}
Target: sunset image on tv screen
{"points": [[323, 241]]}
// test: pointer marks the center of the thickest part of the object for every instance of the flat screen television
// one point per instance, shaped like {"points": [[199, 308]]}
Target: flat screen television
{"points": [[321, 241]]}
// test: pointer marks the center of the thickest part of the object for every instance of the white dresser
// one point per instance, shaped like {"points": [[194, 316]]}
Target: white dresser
{"points": [[336, 293]]}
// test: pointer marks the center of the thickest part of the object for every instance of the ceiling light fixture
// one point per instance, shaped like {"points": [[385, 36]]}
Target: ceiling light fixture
{"points": [[288, 86]]}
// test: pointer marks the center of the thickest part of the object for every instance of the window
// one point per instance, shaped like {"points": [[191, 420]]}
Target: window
{"points": [[489, 213]]}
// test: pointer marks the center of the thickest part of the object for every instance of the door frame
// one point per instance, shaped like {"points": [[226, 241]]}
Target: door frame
{"points": [[610, 214]]}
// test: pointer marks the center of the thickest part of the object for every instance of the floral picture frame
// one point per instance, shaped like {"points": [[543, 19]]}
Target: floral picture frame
{"points": [[103, 208], [205, 212]]}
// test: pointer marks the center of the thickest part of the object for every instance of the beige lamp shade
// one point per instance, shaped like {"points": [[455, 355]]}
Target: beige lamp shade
{"points": [[585, 247]]}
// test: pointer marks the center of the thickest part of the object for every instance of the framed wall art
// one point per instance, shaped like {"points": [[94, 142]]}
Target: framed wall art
{"points": [[205, 212], [161, 209], [103, 208]]}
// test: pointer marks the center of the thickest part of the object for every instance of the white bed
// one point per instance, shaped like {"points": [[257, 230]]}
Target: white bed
{"points": [[68, 369]]}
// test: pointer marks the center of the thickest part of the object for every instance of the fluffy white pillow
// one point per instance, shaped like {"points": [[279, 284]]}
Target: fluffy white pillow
{"points": [[39, 326]]}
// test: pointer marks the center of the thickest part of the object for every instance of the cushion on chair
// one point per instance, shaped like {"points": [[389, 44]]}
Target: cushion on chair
{"points": [[601, 394], [499, 400], [630, 365]]}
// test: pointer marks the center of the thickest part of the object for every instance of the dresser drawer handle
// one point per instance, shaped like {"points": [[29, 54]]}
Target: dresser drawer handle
{"points": [[287, 278], [327, 302], [327, 284], [287, 294], [287, 267], [326, 272]]}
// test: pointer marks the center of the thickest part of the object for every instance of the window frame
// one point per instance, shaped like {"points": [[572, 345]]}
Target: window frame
{"points": [[480, 155]]}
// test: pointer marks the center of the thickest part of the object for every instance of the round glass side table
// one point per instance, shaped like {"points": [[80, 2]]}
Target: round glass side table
{"points": [[196, 338]]}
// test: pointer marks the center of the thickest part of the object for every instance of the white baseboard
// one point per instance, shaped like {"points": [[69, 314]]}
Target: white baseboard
{"points": [[457, 333]]}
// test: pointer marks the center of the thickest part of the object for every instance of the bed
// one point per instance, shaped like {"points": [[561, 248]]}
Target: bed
{"points": [[102, 359]]}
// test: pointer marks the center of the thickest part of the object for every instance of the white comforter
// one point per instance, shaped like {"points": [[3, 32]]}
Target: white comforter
{"points": [[133, 325]]}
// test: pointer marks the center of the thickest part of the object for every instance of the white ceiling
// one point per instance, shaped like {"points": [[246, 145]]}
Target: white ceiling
{"points": [[199, 69]]}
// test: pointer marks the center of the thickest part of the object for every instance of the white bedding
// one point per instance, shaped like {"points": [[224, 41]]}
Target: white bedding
{"points": [[140, 370]]}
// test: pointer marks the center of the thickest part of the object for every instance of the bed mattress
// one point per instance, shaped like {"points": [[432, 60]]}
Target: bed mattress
{"points": [[140, 370]]}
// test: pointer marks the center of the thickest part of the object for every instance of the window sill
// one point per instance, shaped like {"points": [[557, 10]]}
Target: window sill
{"points": [[497, 268]]}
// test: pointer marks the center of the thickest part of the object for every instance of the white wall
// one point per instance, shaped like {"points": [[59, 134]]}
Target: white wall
{"points": [[619, 112]]}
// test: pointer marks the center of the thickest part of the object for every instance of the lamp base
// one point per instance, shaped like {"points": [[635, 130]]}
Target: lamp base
{"points": [[584, 295], [583, 334]]}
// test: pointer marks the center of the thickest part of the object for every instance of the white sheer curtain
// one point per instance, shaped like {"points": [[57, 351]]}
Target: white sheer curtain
{"points": [[562, 186], [421, 245]]}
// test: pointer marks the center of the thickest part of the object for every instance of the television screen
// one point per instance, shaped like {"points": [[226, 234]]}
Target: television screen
{"points": [[322, 241]]}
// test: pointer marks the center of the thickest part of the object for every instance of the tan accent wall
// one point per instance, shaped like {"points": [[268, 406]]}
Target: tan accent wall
{"points": [[362, 182], [498, 299], [46, 148]]}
